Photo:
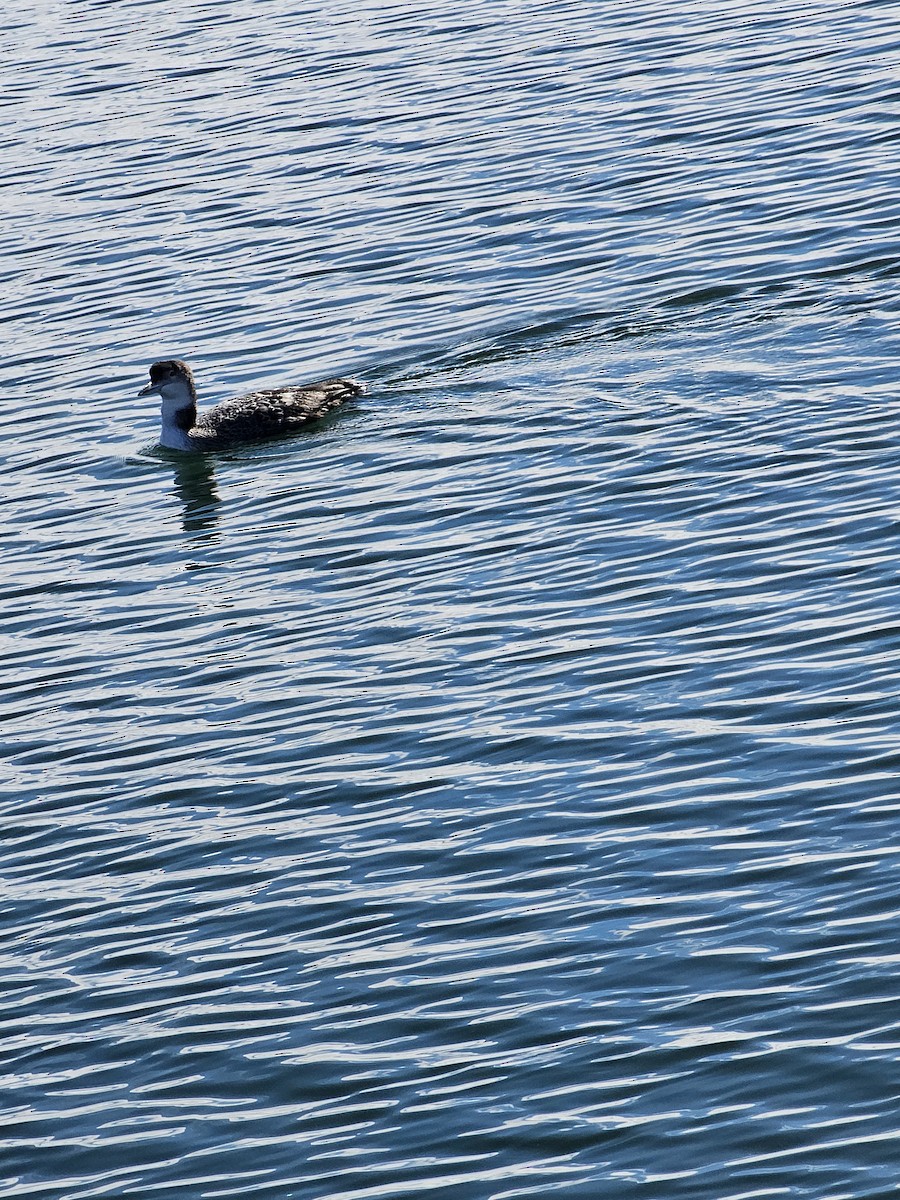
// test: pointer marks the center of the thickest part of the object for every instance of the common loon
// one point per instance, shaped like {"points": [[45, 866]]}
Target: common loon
{"points": [[243, 419]]}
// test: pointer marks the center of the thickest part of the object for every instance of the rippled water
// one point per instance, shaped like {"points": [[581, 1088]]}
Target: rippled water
{"points": [[491, 793]]}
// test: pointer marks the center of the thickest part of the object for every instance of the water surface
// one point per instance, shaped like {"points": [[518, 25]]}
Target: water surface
{"points": [[491, 793]]}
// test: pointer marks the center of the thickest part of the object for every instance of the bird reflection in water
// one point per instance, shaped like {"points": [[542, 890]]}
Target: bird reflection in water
{"points": [[195, 487]]}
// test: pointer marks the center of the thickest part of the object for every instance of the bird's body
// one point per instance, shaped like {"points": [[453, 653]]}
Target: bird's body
{"points": [[270, 413]]}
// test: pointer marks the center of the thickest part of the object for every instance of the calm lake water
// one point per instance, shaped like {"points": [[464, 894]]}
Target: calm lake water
{"points": [[492, 793]]}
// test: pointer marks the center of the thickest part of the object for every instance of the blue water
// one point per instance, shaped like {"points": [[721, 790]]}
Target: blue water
{"points": [[492, 792]]}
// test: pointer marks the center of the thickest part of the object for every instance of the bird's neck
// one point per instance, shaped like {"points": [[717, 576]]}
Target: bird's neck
{"points": [[179, 415]]}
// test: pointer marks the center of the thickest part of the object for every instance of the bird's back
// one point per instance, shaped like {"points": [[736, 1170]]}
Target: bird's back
{"points": [[269, 413]]}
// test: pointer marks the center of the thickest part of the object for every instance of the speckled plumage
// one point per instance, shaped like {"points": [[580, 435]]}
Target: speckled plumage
{"points": [[268, 413]]}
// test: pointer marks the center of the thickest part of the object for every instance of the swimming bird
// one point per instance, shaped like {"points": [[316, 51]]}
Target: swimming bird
{"points": [[245, 418]]}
